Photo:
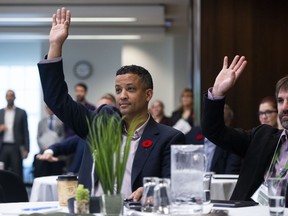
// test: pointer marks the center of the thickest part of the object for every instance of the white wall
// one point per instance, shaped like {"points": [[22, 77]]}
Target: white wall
{"points": [[165, 59], [105, 58], [157, 58]]}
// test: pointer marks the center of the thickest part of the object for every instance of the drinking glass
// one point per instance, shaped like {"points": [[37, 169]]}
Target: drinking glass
{"points": [[187, 169], [162, 198], [276, 195], [147, 201], [207, 187]]}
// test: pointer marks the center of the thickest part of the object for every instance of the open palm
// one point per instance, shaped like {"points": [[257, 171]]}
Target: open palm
{"points": [[228, 75], [60, 26]]}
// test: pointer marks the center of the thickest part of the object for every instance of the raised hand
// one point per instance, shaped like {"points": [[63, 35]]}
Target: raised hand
{"points": [[228, 75], [59, 32]]}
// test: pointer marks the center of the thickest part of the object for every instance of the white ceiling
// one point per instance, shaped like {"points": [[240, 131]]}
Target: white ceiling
{"points": [[153, 16]]}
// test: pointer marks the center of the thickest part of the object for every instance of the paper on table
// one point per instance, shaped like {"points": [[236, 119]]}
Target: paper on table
{"points": [[182, 126], [29, 210]]}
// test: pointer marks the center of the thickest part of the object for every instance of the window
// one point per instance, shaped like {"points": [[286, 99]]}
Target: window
{"points": [[24, 80]]}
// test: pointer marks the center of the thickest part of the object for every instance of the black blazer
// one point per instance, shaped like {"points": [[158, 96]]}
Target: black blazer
{"points": [[71, 145], [224, 162], [152, 161], [256, 146]]}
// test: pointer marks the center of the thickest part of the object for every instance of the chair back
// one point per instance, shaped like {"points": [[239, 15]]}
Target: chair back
{"points": [[12, 188]]}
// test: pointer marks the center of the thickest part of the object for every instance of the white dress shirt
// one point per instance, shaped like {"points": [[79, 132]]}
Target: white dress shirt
{"points": [[126, 185], [9, 122]]}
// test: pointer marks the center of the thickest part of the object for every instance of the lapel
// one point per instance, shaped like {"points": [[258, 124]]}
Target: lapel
{"points": [[256, 176], [150, 132], [2, 116]]}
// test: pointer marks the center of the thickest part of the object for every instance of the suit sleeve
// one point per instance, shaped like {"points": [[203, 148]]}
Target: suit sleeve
{"points": [[26, 132], [56, 96], [214, 129], [67, 146]]}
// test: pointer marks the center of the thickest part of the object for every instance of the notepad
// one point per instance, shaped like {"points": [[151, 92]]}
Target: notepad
{"points": [[225, 176]]}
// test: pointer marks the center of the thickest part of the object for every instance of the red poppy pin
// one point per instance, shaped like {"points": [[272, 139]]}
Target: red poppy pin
{"points": [[199, 136], [146, 143]]}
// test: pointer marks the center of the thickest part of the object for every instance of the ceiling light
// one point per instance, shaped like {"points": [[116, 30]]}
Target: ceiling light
{"points": [[71, 37], [75, 19]]}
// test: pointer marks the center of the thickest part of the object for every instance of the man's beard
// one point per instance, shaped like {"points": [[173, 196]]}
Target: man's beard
{"points": [[79, 98], [284, 120]]}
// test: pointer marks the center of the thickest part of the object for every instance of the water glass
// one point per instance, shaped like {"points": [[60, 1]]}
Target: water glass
{"points": [[147, 201], [207, 187], [187, 170], [162, 198], [276, 195]]}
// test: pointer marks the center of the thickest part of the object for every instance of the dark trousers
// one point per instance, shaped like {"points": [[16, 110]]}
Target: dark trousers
{"points": [[11, 156]]}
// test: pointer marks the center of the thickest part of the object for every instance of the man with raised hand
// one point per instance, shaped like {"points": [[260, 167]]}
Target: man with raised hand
{"points": [[133, 91]]}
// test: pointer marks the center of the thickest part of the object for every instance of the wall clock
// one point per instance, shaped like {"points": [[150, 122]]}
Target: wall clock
{"points": [[83, 69]]}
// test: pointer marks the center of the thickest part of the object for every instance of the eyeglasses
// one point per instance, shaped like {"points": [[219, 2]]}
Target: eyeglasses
{"points": [[267, 113]]}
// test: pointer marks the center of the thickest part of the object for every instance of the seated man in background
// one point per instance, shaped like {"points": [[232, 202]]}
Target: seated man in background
{"points": [[219, 160], [73, 144], [134, 90], [50, 131]]}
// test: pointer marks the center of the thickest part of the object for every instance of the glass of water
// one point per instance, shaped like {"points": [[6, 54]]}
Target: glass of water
{"points": [[147, 200], [276, 195], [187, 170], [162, 198], [207, 187]]}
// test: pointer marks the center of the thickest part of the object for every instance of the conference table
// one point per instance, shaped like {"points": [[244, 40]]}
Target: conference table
{"points": [[45, 188], [13, 209]]}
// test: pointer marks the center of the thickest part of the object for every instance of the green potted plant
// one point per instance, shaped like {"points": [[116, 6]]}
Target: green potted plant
{"points": [[81, 200], [105, 141]]}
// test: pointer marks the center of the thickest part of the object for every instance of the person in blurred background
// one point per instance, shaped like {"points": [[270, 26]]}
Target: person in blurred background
{"points": [[267, 112], [81, 91], [183, 118], [72, 145], [157, 112], [14, 135], [219, 160], [50, 131]]}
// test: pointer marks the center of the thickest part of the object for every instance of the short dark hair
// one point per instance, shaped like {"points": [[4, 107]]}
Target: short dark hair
{"points": [[10, 90], [271, 100], [144, 75], [282, 84], [83, 85]]}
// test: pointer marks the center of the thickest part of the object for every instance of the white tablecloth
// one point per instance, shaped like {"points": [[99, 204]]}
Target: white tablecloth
{"points": [[222, 189], [45, 189], [13, 209]]}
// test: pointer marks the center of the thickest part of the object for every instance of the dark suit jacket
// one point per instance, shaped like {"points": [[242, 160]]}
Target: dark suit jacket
{"points": [[71, 145], [20, 128], [224, 162], [152, 161], [256, 146]]}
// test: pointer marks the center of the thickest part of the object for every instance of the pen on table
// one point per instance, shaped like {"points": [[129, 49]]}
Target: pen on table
{"points": [[40, 208]]}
